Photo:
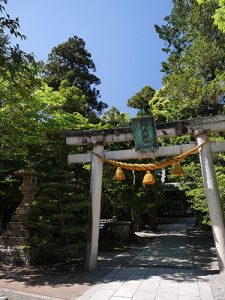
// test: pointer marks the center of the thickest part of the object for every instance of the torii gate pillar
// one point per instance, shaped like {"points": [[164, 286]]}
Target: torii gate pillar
{"points": [[94, 208], [213, 198]]}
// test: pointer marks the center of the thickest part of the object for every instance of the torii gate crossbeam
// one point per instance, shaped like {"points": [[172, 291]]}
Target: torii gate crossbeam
{"points": [[196, 127]]}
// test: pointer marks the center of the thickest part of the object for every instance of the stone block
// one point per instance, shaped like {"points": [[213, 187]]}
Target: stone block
{"points": [[92, 290], [149, 285], [126, 290], [144, 295], [205, 290], [189, 289], [114, 285], [102, 294]]}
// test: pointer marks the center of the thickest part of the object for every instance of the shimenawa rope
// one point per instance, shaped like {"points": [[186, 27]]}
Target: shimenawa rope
{"points": [[150, 167]]}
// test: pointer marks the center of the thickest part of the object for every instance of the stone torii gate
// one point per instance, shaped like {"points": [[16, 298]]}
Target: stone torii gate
{"points": [[196, 127]]}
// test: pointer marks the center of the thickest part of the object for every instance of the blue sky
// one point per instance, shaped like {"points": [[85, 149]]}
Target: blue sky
{"points": [[119, 34]]}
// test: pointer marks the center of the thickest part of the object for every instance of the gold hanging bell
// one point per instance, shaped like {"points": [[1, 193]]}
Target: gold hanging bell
{"points": [[148, 178], [119, 175], [177, 169]]}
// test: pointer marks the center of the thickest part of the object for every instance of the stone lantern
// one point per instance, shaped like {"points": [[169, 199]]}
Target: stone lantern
{"points": [[28, 188], [14, 238]]}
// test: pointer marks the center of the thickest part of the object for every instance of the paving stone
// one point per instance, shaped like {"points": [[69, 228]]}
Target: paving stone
{"points": [[205, 291], [166, 296], [170, 291], [149, 285], [119, 298], [123, 274], [136, 282], [114, 285], [126, 290], [102, 295], [81, 298], [189, 289], [135, 276], [144, 295], [111, 274], [169, 284], [155, 273], [185, 275], [190, 298], [92, 289], [139, 271]]}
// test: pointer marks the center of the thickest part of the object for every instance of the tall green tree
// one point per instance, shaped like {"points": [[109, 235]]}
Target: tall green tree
{"points": [[114, 118], [30, 136], [141, 100], [71, 61], [193, 84], [32, 117], [219, 15], [14, 62], [7, 23]]}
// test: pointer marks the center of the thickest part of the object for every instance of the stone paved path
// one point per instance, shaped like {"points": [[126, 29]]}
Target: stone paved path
{"points": [[149, 284], [161, 270], [168, 249], [160, 267]]}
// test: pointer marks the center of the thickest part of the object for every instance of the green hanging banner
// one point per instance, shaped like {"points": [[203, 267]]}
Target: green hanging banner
{"points": [[145, 134]]}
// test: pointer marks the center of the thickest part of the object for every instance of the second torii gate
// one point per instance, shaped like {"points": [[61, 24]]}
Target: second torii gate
{"points": [[196, 127]]}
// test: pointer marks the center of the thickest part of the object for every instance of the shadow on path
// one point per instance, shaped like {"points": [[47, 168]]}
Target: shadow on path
{"points": [[171, 246], [157, 263]]}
